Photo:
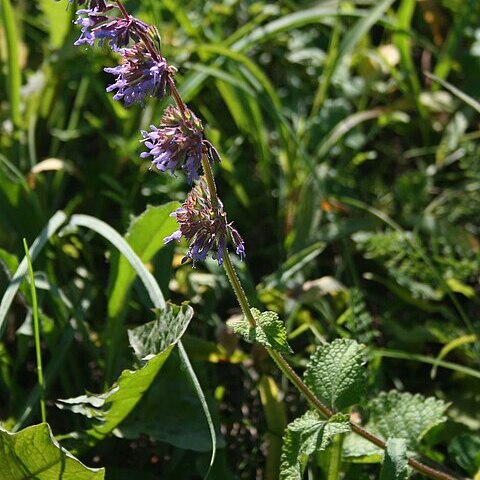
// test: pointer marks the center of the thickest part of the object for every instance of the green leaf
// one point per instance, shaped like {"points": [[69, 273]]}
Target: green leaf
{"points": [[14, 77], [8, 262], [465, 450], [171, 417], [145, 235], [336, 373], [48, 231], [154, 337], [459, 93], [270, 331], [113, 406], [395, 460], [156, 296], [306, 435], [397, 415], [58, 20], [34, 453]]}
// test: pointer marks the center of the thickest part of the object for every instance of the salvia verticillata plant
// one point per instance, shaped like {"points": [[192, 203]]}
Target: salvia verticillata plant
{"points": [[334, 380]]}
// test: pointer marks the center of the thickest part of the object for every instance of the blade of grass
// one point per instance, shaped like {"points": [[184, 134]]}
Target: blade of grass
{"points": [[110, 234], [403, 43], [383, 352], [276, 419], [343, 128], [157, 298], [457, 342], [471, 102], [49, 230], [192, 83], [36, 332], [53, 368], [455, 36], [335, 457], [402, 40], [347, 45], [14, 79], [330, 60], [182, 18], [297, 20]]}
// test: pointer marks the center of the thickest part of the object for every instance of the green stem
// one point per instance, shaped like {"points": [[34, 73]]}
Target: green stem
{"points": [[36, 330], [146, 41], [178, 99], [238, 289], [245, 306], [284, 365], [290, 373], [212, 188], [335, 458], [123, 10]]}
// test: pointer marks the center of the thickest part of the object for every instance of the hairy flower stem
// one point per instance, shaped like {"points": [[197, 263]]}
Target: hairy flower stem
{"points": [[146, 41], [245, 306], [178, 100], [123, 10], [285, 366], [212, 188], [238, 289]]}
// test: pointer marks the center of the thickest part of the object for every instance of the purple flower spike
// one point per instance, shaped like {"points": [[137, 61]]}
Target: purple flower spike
{"points": [[204, 227], [120, 31], [117, 31], [139, 75], [177, 143], [88, 20]]}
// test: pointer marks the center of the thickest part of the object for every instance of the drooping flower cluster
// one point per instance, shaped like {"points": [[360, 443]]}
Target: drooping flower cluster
{"points": [[178, 143], [139, 75], [143, 71], [205, 227], [118, 32]]}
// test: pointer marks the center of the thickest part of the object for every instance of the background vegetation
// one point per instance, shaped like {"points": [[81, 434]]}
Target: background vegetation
{"points": [[349, 137]]}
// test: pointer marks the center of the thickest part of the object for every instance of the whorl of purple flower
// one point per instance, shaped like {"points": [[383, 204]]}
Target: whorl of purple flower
{"points": [[205, 227], [117, 31], [139, 75], [177, 143]]}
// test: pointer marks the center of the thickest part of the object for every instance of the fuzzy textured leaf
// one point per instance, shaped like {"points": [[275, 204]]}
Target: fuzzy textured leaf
{"points": [[154, 342], [306, 435], [395, 460], [269, 331], [153, 337], [34, 453], [336, 373], [397, 415]]}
